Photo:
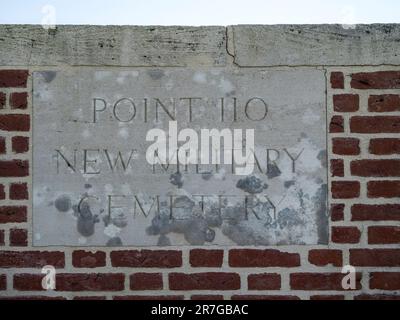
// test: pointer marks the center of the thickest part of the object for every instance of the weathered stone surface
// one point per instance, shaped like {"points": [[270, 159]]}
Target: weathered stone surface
{"points": [[32, 45], [294, 45], [94, 200], [251, 45]]}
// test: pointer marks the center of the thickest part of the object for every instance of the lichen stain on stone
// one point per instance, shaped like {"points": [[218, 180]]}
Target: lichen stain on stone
{"points": [[289, 183], [63, 203], [48, 76], [251, 184], [86, 219], [176, 179], [156, 74], [118, 218], [290, 226], [163, 240], [206, 176], [230, 94], [322, 156], [261, 230], [195, 226], [114, 242], [254, 225], [273, 171]]}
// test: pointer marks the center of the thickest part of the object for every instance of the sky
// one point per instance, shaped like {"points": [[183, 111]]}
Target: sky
{"points": [[198, 12]]}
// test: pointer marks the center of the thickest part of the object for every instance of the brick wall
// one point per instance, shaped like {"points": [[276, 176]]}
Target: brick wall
{"points": [[364, 146]]}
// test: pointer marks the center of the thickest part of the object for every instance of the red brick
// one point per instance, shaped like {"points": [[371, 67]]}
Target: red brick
{"points": [[33, 298], [336, 124], [346, 102], [385, 280], [263, 297], [337, 80], [375, 124], [206, 297], [324, 257], [376, 80], [10, 214], [345, 234], [375, 257], [384, 146], [383, 234], [18, 237], [28, 282], [19, 100], [204, 281], [13, 78], [146, 258], [346, 146], [72, 282], [3, 282], [206, 258], [264, 281], [375, 168], [90, 298], [19, 191], [31, 259], [384, 103], [377, 297], [2, 238], [14, 168], [337, 212], [152, 297], [2, 192], [146, 281], [2, 100], [320, 281], [383, 189], [3, 145], [15, 122], [20, 144], [87, 259], [262, 258], [327, 297], [345, 189], [375, 212], [337, 168]]}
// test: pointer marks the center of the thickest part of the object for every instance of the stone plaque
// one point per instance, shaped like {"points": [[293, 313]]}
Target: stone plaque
{"points": [[177, 156]]}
